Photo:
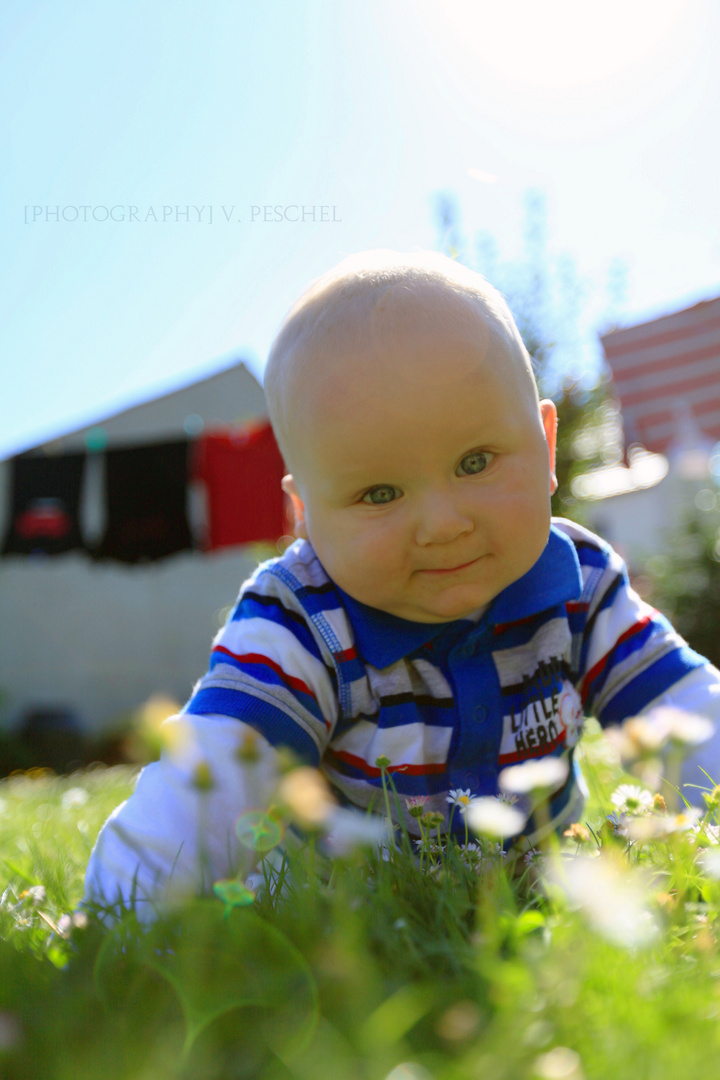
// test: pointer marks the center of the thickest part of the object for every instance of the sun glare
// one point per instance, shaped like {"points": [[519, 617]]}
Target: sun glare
{"points": [[555, 43]]}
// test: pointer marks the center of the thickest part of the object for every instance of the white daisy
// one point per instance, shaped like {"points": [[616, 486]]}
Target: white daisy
{"points": [[538, 775], [631, 799], [490, 817], [459, 797]]}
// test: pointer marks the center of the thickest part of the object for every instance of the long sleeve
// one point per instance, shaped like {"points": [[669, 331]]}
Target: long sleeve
{"points": [[698, 693], [176, 834], [631, 658], [270, 685]]}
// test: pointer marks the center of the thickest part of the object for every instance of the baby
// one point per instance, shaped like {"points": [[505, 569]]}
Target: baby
{"points": [[429, 613]]}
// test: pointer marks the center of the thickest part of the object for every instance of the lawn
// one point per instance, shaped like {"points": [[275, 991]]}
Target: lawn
{"points": [[593, 957]]}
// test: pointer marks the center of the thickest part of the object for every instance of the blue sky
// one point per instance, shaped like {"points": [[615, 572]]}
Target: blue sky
{"points": [[368, 108]]}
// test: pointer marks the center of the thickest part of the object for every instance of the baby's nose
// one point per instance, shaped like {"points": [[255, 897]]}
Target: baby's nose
{"points": [[441, 520]]}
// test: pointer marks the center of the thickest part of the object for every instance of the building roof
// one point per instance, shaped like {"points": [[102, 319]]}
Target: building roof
{"points": [[665, 370], [227, 398]]}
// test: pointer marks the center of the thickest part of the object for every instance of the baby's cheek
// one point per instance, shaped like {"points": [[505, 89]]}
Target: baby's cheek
{"points": [[528, 511], [372, 561]]}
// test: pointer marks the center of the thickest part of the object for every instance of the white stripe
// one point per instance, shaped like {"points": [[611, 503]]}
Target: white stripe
{"points": [[418, 677], [279, 644], [626, 610], [338, 622], [657, 437], [428, 679], [551, 640], [688, 319], [408, 744], [623, 673], [683, 370], [624, 363]]}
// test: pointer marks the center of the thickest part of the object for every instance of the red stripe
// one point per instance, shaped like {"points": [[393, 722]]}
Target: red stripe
{"points": [[658, 429], [601, 664], [257, 658], [345, 654], [576, 605], [661, 444], [619, 347], [372, 770], [500, 628], [675, 389], [666, 416], [648, 368]]}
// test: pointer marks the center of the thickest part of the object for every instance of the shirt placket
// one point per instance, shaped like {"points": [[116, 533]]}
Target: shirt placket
{"points": [[474, 761]]}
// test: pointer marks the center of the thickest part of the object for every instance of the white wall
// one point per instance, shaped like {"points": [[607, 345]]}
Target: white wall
{"points": [[101, 638], [638, 523]]}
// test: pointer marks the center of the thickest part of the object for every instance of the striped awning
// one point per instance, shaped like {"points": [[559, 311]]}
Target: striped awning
{"points": [[667, 370]]}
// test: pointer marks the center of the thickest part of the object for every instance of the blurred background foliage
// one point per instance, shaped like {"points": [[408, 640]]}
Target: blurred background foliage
{"points": [[685, 581]]}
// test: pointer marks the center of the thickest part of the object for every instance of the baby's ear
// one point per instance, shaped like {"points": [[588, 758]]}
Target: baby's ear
{"points": [[548, 412], [298, 507]]}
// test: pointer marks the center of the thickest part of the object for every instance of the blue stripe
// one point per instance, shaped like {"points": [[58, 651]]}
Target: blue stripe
{"points": [[352, 669], [315, 599], [316, 603], [278, 728], [576, 621], [265, 674], [412, 712], [620, 653], [649, 684], [591, 554], [276, 613], [620, 580], [346, 722]]}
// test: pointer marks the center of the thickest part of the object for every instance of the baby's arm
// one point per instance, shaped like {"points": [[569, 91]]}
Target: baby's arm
{"points": [[270, 685], [634, 661], [175, 836]]}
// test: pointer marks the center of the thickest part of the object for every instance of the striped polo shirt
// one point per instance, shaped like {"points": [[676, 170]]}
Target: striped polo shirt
{"points": [[447, 704]]}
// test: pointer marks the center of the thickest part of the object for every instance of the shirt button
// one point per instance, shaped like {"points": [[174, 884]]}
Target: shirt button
{"points": [[480, 713]]}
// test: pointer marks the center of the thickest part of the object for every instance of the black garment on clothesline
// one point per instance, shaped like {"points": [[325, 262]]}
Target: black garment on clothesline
{"points": [[44, 504], [145, 502]]}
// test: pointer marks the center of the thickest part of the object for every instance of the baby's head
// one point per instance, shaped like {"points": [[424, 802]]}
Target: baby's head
{"points": [[421, 460]]}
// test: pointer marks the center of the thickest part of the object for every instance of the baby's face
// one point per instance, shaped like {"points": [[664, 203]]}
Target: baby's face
{"points": [[424, 465]]}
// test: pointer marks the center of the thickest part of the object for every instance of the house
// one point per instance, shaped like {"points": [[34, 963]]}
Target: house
{"points": [[94, 639], [666, 374]]}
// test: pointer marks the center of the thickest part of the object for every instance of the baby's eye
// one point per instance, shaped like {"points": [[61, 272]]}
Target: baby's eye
{"points": [[379, 495], [474, 463]]}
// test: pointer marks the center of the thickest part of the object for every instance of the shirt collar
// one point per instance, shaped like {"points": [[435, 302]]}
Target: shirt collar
{"points": [[383, 639]]}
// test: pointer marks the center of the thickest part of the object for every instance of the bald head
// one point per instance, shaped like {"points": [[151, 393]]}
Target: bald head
{"points": [[340, 328]]}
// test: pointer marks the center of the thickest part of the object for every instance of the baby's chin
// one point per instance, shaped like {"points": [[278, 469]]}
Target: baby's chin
{"points": [[445, 610]]}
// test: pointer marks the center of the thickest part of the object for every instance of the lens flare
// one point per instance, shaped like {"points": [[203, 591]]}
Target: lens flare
{"points": [[259, 831]]}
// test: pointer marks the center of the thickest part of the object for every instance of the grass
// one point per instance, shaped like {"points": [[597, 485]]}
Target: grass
{"points": [[600, 962]]}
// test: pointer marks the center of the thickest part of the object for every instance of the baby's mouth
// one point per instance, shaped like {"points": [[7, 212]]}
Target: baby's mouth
{"points": [[452, 569]]}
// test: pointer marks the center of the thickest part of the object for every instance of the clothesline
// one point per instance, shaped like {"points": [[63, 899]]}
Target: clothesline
{"points": [[145, 497]]}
